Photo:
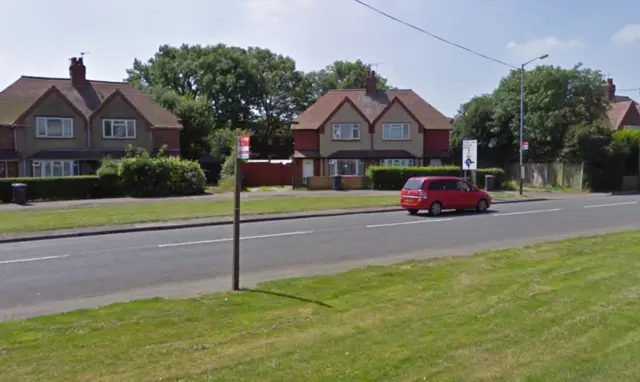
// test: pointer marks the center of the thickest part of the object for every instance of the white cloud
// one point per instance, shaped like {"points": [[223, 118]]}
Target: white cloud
{"points": [[543, 45], [627, 34]]}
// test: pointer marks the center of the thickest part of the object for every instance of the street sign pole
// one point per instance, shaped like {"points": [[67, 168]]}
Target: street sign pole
{"points": [[242, 152], [470, 158]]}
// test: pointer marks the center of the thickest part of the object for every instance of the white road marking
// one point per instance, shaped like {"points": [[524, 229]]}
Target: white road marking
{"points": [[32, 259], [231, 239], [411, 222], [527, 212], [611, 205]]}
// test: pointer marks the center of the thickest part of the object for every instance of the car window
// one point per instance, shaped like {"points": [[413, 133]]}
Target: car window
{"points": [[448, 185], [436, 185], [462, 186], [413, 184]]}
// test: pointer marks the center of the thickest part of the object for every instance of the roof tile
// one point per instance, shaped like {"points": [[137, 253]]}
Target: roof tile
{"points": [[21, 94]]}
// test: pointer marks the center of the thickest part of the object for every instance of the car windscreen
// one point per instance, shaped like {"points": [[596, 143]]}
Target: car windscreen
{"points": [[413, 184]]}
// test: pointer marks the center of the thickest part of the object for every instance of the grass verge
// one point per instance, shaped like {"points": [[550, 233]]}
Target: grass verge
{"points": [[43, 220], [553, 312]]}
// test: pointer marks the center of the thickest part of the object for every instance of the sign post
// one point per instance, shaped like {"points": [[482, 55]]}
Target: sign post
{"points": [[469, 156], [242, 153]]}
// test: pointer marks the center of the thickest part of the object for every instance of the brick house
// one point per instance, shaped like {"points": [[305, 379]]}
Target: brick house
{"points": [[623, 111], [345, 131], [64, 126]]}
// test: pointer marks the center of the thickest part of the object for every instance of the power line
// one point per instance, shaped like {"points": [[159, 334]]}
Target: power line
{"points": [[628, 90], [434, 36]]}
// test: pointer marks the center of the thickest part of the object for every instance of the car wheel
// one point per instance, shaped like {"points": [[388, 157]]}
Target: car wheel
{"points": [[413, 212], [482, 206], [435, 209]]}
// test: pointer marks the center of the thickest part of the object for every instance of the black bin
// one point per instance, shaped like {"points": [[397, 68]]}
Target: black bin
{"points": [[19, 193], [489, 182], [337, 183]]}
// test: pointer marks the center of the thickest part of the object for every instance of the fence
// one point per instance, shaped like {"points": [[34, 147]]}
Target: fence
{"points": [[267, 173], [548, 174]]}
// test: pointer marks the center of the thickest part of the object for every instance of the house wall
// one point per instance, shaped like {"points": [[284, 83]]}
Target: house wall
{"points": [[162, 136], [52, 105], [118, 108], [306, 140], [632, 118], [436, 139], [398, 114], [345, 114], [6, 138]]}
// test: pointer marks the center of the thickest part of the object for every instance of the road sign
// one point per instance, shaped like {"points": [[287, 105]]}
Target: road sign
{"points": [[243, 147], [525, 145], [470, 154]]}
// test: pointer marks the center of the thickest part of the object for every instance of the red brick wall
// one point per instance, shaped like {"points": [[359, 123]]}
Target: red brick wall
{"points": [[6, 138], [306, 140], [169, 137], [436, 139], [256, 174]]}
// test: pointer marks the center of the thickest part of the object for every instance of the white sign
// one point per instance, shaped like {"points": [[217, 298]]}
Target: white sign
{"points": [[470, 154], [525, 145], [242, 148]]}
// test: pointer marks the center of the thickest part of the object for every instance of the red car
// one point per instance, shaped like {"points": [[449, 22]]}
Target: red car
{"points": [[438, 193]]}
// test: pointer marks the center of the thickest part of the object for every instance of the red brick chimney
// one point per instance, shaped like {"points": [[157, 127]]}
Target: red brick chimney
{"points": [[77, 72], [611, 89], [370, 83]]}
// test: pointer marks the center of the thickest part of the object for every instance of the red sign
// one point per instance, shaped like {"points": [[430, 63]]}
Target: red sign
{"points": [[525, 145], [243, 147]]}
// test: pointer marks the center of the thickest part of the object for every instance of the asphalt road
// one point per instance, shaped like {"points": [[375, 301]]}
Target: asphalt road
{"points": [[43, 277]]}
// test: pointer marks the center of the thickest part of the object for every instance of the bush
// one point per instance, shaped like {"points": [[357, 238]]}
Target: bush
{"points": [[144, 176], [62, 188], [393, 178], [109, 181]]}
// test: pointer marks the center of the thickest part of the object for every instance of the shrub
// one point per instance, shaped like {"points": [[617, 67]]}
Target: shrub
{"points": [[393, 178], [144, 176], [62, 188], [108, 176], [510, 185]]}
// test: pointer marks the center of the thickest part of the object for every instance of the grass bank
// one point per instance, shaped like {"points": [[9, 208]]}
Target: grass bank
{"points": [[130, 213], [552, 312]]}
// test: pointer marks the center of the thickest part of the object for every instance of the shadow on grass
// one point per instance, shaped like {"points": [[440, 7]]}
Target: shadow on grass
{"points": [[320, 303]]}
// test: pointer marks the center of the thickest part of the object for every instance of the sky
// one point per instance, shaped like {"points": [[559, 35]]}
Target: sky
{"points": [[39, 36]]}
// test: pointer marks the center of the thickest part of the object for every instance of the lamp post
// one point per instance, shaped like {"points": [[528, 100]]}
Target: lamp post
{"points": [[522, 115]]}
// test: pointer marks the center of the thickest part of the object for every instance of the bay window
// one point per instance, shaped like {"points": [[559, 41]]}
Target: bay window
{"points": [[346, 131], [53, 127], [55, 168], [119, 128], [346, 167], [395, 132], [397, 162]]}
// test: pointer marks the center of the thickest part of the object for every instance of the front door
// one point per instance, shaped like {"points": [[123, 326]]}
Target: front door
{"points": [[307, 168]]}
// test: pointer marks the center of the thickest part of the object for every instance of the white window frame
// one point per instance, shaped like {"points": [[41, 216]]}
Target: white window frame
{"points": [[42, 128], [352, 132], [397, 162], [128, 123], [336, 164], [403, 127], [45, 168]]}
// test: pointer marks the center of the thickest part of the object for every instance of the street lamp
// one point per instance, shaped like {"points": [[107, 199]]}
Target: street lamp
{"points": [[522, 114]]}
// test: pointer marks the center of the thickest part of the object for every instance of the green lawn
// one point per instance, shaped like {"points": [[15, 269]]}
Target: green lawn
{"points": [[563, 311], [42, 220]]}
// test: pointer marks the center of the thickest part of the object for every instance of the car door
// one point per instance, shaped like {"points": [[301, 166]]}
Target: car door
{"points": [[466, 196], [448, 194]]}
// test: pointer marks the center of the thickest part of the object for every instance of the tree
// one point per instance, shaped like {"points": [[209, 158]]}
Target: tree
{"points": [[555, 99], [341, 75]]}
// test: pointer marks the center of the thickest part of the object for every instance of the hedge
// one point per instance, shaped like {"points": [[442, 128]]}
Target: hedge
{"points": [[62, 188], [393, 178], [144, 176]]}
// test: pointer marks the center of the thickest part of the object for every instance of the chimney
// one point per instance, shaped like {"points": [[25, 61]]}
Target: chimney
{"points": [[611, 89], [370, 83], [77, 72]]}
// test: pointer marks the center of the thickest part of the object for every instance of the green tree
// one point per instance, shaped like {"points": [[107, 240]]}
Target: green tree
{"points": [[341, 75]]}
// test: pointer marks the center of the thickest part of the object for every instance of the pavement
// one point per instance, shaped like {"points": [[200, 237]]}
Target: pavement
{"points": [[50, 276]]}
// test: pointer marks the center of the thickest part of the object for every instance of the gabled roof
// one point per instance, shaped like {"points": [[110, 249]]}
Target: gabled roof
{"points": [[371, 108], [23, 93], [619, 110]]}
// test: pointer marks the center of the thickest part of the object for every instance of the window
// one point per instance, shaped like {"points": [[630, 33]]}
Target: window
{"points": [[462, 186], [443, 185], [52, 168], [396, 162], [346, 131], [119, 128], [413, 184], [49, 127], [347, 167], [395, 132]]}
